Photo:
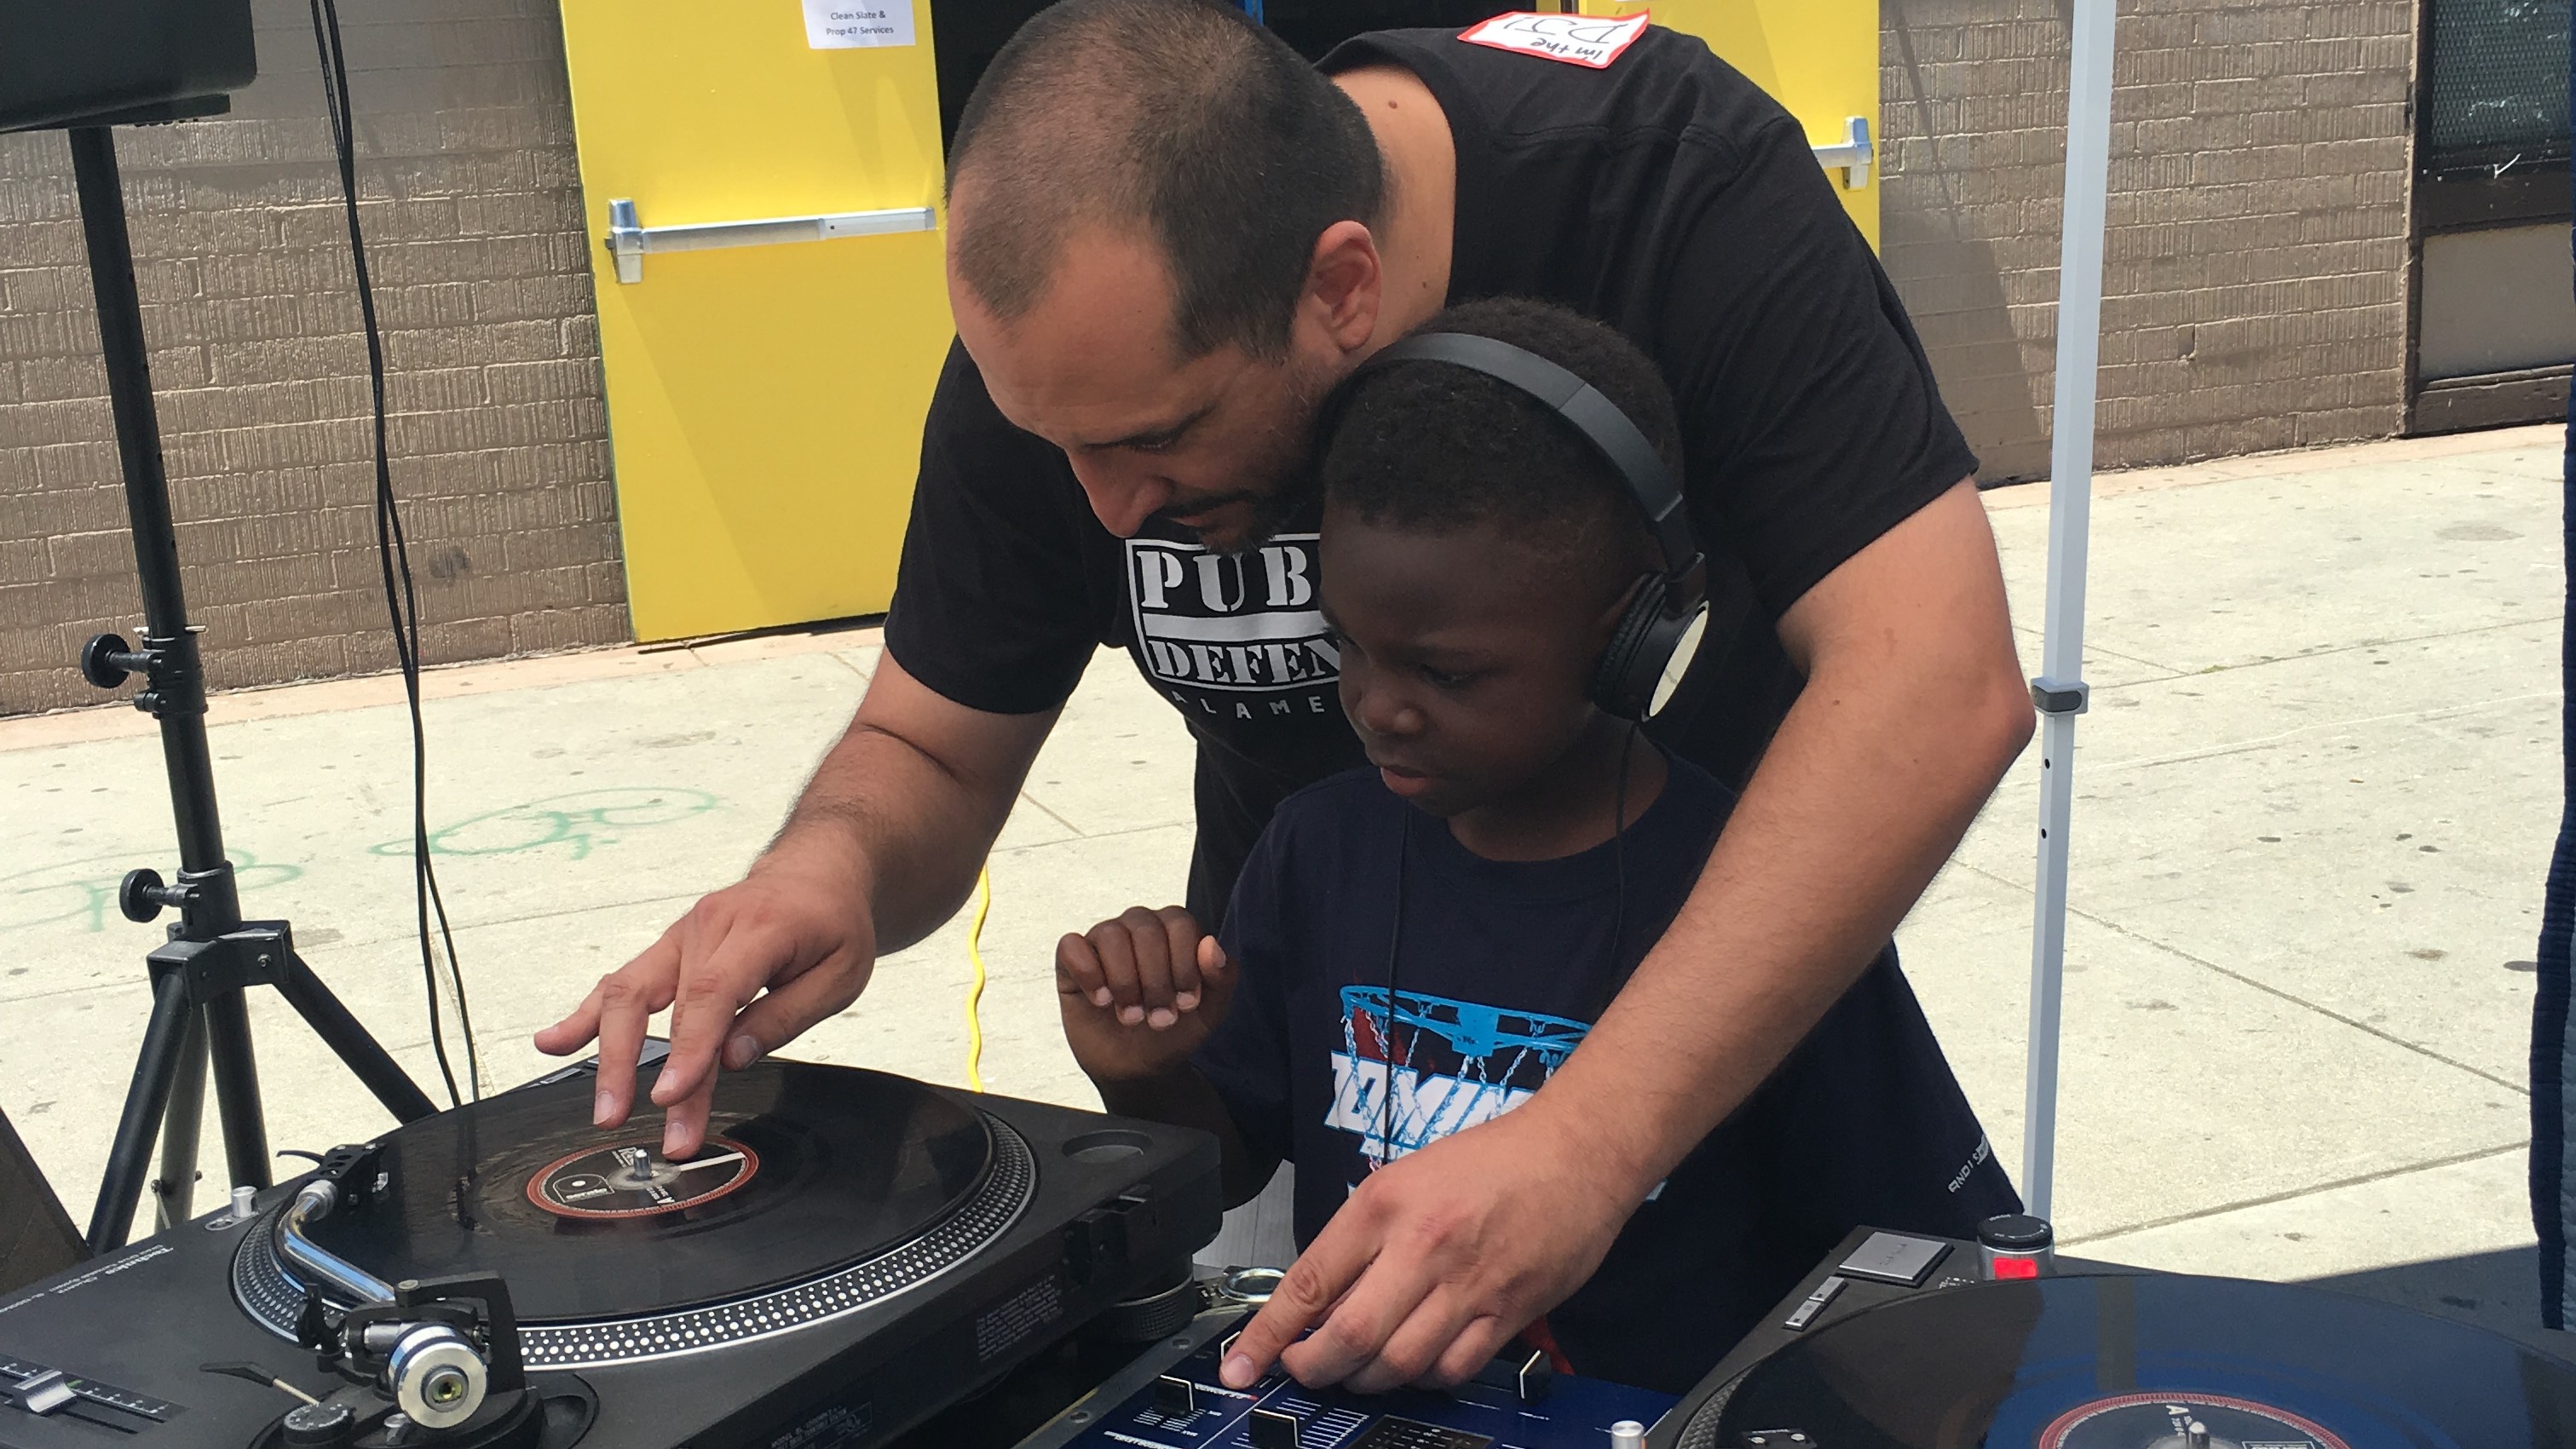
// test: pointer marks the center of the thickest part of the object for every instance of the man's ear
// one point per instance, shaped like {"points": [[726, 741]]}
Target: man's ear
{"points": [[1345, 285]]}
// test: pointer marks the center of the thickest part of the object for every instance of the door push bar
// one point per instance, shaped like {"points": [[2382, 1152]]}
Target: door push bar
{"points": [[629, 240], [1853, 156]]}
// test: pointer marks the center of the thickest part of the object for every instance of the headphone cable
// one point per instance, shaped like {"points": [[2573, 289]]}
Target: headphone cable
{"points": [[1395, 936], [1386, 1037], [1619, 866]]}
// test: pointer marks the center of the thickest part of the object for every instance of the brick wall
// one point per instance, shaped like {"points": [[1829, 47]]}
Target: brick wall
{"points": [[473, 218], [2256, 290], [2256, 298]]}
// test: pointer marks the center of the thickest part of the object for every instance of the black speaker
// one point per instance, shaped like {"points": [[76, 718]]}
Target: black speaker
{"points": [[71, 61], [37, 1239]]}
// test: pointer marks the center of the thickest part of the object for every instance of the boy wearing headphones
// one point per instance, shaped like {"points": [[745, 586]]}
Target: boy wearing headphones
{"points": [[1413, 948]]}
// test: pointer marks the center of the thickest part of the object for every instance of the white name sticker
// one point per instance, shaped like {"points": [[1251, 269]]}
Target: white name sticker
{"points": [[857, 24], [1588, 40]]}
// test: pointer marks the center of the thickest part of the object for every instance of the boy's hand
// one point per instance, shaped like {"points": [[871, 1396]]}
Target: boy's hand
{"points": [[1174, 978]]}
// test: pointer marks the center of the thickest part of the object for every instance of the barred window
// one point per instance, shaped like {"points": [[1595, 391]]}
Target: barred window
{"points": [[2495, 87]]}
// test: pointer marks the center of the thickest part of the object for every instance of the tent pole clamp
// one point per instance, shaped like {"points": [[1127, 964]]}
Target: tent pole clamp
{"points": [[2061, 697]]}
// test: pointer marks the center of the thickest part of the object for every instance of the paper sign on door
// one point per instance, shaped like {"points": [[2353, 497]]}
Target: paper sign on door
{"points": [[857, 24]]}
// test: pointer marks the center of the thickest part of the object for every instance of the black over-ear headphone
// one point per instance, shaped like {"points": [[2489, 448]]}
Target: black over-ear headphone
{"points": [[1659, 634]]}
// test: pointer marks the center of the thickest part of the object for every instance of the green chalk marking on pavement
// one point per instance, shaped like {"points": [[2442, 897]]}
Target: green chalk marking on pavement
{"points": [[582, 821]]}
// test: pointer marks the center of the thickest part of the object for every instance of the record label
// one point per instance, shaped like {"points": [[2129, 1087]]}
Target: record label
{"points": [[634, 1180], [2130, 1420]]}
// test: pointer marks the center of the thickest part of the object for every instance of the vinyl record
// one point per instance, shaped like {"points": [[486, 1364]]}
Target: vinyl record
{"points": [[807, 1168], [2150, 1362]]}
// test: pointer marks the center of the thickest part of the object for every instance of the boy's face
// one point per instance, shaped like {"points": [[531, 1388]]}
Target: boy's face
{"points": [[1466, 657]]}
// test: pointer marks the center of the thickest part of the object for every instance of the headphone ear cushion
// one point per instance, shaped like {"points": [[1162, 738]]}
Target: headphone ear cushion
{"points": [[1620, 686]]}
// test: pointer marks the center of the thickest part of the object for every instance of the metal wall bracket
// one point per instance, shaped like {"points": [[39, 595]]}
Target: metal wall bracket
{"points": [[629, 239], [1853, 155]]}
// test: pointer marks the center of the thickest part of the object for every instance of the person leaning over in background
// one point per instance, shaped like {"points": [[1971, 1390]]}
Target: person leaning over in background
{"points": [[1168, 238]]}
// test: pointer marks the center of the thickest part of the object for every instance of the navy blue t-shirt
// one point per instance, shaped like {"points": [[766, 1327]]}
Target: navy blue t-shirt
{"points": [[1499, 972]]}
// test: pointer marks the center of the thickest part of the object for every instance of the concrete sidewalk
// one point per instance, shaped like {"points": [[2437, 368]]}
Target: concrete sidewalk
{"points": [[2306, 891]]}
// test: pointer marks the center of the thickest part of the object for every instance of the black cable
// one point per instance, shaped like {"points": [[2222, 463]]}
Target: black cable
{"points": [[1619, 865], [393, 556], [1395, 936], [1386, 1038]]}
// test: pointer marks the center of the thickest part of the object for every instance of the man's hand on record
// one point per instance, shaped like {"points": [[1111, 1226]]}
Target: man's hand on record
{"points": [[746, 970], [1438, 1258], [1140, 992]]}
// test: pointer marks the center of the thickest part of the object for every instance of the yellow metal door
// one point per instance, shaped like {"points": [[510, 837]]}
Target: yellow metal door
{"points": [[766, 384], [1819, 58]]}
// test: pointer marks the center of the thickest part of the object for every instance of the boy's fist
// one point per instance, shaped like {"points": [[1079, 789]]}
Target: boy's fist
{"points": [[1140, 993]]}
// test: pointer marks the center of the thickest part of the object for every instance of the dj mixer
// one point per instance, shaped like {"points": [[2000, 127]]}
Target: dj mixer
{"points": [[1171, 1399]]}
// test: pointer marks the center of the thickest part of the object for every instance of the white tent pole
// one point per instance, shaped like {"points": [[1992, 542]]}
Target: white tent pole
{"points": [[2060, 689]]}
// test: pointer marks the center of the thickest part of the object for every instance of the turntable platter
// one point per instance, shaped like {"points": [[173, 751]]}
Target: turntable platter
{"points": [[522, 1185], [2140, 1363], [820, 1189]]}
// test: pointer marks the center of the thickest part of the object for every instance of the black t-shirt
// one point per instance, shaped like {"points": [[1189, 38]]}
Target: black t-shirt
{"points": [[1665, 195], [1499, 971]]}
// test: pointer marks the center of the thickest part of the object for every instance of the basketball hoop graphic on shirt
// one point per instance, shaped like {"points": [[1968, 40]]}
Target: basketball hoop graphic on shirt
{"points": [[1432, 1066]]}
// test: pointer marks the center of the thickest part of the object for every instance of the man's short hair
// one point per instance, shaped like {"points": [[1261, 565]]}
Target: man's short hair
{"points": [[1437, 448], [1182, 119]]}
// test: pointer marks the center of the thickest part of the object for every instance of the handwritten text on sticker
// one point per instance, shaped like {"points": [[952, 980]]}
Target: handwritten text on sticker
{"points": [[1588, 40]]}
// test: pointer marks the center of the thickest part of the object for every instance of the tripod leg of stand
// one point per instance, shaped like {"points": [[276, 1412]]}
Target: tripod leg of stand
{"points": [[130, 1159], [343, 1034], [174, 1191], [237, 1090]]}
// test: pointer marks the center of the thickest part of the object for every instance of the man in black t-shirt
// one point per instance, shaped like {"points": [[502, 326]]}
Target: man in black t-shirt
{"points": [[1168, 238], [1414, 951]]}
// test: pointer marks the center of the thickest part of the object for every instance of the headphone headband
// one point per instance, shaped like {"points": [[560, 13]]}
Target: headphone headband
{"points": [[1610, 432], [1657, 636]]}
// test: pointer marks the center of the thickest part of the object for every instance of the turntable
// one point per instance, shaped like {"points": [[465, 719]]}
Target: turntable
{"points": [[1902, 1342], [849, 1253]]}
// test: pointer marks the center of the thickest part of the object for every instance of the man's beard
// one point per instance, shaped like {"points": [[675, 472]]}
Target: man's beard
{"points": [[1289, 486], [1283, 503]]}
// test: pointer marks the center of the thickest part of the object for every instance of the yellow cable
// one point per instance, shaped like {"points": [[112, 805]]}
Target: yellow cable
{"points": [[975, 992]]}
